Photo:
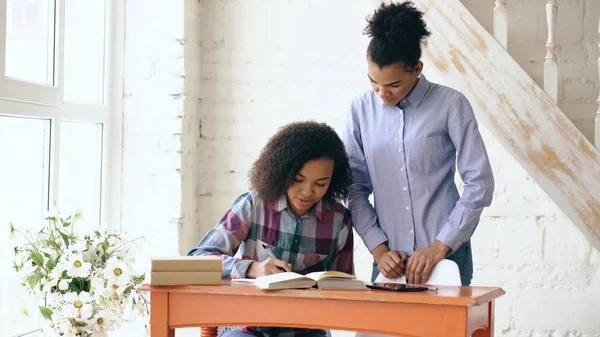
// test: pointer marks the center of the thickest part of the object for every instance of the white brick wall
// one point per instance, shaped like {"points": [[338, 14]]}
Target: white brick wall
{"points": [[152, 125], [253, 65], [152, 111], [526, 245]]}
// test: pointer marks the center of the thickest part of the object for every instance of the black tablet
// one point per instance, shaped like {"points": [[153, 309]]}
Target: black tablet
{"points": [[400, 287]]}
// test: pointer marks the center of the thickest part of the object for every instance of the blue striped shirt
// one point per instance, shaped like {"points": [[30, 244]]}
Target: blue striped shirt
{"points": [[406, 156]]}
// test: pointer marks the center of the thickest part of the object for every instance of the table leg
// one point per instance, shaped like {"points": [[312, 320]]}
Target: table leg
{"points": [[159, 315], [208, 331], [489, 330]]}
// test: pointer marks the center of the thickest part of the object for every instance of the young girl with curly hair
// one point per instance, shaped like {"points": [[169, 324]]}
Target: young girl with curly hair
{"points": [[293, 209]]}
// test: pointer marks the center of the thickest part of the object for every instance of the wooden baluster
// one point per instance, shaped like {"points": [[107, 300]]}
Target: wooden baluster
{"points": [[597, 129], [501, 23], [550, 66]]}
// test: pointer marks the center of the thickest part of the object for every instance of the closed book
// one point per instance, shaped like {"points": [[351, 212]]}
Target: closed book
{"points": [[335, 283], [187, 263], [168, 278]]}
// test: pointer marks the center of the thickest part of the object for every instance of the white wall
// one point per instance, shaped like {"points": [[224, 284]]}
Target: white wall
{"points": [[152, 115], [253, 65], [153, 105], [263, 64]]}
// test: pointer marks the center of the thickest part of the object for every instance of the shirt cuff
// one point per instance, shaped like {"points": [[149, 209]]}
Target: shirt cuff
{"points": [[460, 226], [374, 237], [450, 236], [240, 268]]}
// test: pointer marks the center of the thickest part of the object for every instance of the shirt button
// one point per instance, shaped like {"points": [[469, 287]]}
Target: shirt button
{"points": [[407, 208], [404, 188], [400, 150], [402, 169], [400, 131], [411, 231]]}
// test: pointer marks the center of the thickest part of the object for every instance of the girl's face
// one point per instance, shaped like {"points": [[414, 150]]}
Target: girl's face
{"points": [[394, 82], [310, 185]]}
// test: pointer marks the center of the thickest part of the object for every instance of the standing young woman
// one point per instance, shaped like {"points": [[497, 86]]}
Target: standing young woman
{"points": [[405, 139]]}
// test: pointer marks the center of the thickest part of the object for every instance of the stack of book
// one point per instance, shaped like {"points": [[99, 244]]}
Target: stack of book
{"points": [[186, 270]]}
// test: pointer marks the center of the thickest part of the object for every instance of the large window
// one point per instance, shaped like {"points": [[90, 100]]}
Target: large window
{"points": [[58, 110]]}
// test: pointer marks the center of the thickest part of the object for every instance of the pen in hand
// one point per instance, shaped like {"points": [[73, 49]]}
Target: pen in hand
{"points": [[271, 254]]}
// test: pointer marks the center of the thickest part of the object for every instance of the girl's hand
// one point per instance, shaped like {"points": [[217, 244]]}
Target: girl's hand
{"points": [[267, 267]]}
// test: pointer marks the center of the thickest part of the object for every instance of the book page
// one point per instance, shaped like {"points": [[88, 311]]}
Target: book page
{"points": [[243, 280], [319, 275], [280, 277]]}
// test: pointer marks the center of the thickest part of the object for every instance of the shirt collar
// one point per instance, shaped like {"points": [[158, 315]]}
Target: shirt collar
{"points": [[282, 203], [416, 95]]}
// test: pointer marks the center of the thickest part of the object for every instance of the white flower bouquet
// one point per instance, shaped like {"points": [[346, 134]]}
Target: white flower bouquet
{"points": [[86, 283]]}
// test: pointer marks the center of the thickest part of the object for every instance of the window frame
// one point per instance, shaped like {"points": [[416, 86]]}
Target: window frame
{"points": [[21, 91], [31, 100]]}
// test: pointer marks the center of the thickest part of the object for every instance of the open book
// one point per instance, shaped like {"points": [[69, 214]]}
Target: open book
{"points": [[321, 279]]}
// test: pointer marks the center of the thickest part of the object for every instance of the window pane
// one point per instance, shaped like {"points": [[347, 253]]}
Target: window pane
{"points": [[84, 51], [30, 40], [24, 174], [80, 170]]}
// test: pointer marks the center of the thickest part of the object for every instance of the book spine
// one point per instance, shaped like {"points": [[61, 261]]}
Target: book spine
{"points": [[185, 278], [187, 265]]}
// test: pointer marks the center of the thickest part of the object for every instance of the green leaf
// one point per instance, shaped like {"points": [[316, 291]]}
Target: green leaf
{"points": [[46, 313], [37, 258], [32, 280], [79, 284], [65, 238], [137, 280], [50, 264], [51, 243], [105, 246], [66, 224], [12, 231], [80, 324], [74, 286]]}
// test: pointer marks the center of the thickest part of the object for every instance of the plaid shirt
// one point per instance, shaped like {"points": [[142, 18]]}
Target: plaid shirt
{"points": [[317, 241]]}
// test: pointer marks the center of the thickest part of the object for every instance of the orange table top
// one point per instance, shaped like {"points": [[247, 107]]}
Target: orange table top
{"points": [[458, 296]]}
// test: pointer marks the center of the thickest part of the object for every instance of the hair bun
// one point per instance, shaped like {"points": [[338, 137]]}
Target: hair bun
{"points": [[397, 24]]}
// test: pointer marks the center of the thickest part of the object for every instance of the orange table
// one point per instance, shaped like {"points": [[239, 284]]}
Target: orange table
{"points": [[451, 311]]}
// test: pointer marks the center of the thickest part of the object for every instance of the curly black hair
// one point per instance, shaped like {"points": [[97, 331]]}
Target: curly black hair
{"points": [[396, 31], [289, 149]]}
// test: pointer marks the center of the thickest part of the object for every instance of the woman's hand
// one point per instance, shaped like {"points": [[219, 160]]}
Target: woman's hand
{"points": [[267, 267], [423, 260], [391, 264]]}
